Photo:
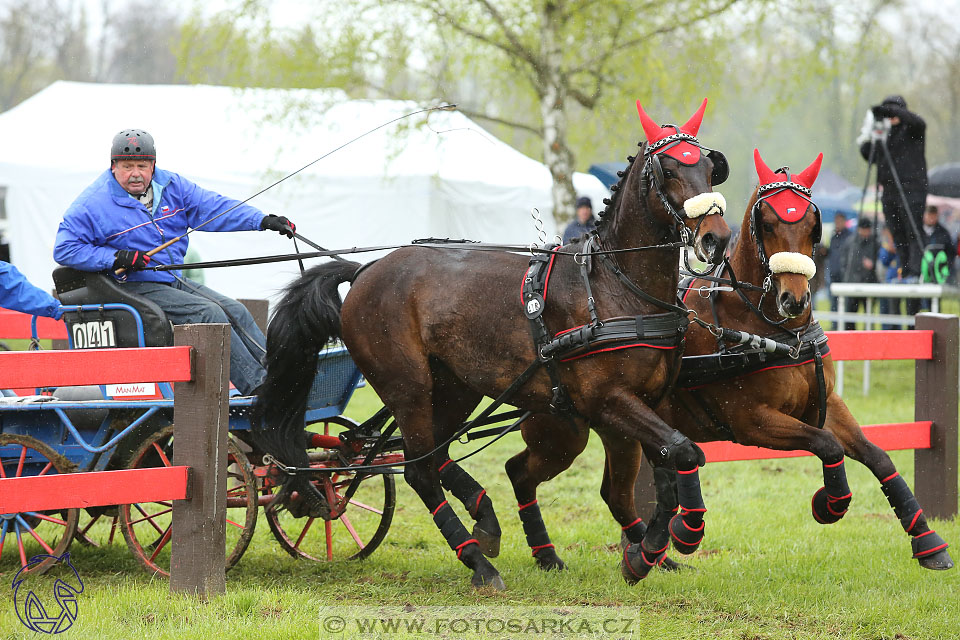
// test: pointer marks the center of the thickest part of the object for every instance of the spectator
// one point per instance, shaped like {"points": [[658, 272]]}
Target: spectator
{"points": [[836, 253], [859, 265], [902, 132], [936, 240], [133, 207], [887, 257], [584, 222]]}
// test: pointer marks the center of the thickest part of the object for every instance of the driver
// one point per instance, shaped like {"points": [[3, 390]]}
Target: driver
{"points": [[134, 207]]}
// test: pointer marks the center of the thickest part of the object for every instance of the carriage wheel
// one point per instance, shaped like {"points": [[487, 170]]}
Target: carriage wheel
{"points": [[147, 525], [89, 534], [360, 527], [24, 535]]}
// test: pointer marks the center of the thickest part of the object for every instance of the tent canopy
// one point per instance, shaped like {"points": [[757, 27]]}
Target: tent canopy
{"points": [[437, 174]]}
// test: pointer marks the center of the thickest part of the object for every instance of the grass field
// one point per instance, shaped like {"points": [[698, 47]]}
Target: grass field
{"points": [[766, 569]]}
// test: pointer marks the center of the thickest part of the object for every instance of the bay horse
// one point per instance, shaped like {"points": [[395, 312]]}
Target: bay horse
{"points": [[754, 399], [780, 404], [434, 330]]}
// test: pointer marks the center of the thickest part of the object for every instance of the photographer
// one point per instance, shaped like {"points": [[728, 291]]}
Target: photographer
{"points": [[890, 127]]}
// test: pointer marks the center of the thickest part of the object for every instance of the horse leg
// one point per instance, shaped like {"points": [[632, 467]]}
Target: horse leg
{"points": [[486, 528], [625, 416], [929, 548], [773, 429], [545, 457]]}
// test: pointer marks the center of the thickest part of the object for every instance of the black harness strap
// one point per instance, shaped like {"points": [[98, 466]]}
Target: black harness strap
{"points": [[821, 385]]}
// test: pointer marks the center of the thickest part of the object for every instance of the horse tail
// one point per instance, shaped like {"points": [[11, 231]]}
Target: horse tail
{"points": [[305, 320]]}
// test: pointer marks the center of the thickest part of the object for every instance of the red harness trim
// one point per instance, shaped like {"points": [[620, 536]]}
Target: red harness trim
{"points": [[541, 547], [624, 346], [831, 466], [483, 492], [560, 333], [444, 465], [746, 375], [546, 281], [521, 507], [891, 476], [439, 506], [631, 524], [460, 547]]}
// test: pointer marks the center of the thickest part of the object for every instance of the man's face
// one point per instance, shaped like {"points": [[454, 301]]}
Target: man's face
{"points": [[133, 175], [583, 214], [930, 218]]}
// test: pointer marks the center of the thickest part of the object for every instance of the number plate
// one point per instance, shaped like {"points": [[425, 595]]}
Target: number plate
{"points": [[93, 335]]}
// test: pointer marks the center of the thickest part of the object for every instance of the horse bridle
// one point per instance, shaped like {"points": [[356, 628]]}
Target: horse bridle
{"points": [[653, 172], [766, 191]]}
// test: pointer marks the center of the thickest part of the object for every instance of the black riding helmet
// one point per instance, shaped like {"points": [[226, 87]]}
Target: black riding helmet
{"points": [[132, 144]]}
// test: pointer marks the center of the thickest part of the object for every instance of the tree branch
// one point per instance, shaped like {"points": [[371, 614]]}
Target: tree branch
{"points": [[510, 34], [476, 115]]}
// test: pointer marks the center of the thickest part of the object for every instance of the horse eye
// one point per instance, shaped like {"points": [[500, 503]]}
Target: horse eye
{"points": [[768, 227]]}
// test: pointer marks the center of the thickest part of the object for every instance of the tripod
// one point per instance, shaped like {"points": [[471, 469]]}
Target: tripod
{"points": [[879, 139]]}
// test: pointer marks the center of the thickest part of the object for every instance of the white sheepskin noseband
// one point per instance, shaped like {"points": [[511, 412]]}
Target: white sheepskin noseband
{"points": [[790, 262], [705, 204]]}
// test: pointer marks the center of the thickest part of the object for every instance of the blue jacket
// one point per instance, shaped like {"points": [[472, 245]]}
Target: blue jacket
{"points": [[105, 219], [18, 294]]}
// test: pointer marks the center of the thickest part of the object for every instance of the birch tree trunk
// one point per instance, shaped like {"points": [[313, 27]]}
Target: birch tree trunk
{"points": [[553, 110]]}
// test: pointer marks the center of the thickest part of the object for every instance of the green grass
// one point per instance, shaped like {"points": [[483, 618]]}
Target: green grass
{"points": [[767, 569]]}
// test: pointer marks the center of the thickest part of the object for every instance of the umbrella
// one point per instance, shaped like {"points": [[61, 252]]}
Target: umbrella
{"points": [[945, 180]]}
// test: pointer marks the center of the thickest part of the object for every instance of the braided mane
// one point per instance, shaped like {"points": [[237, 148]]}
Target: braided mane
{"points": [[613, 202]]}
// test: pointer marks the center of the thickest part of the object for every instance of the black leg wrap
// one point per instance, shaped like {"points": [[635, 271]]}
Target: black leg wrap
{"points": [[451, 528], [534, 528], [831, 501], [458, 482], [904, 504], [687, 527], [927, 544], [635, 530]]}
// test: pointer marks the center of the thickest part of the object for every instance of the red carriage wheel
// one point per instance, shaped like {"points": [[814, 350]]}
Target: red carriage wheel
{"points": [[24, 535], [90, 534], [355, 529], [146, 526]]}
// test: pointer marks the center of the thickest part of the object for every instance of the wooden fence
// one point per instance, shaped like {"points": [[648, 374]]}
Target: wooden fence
{"points": [[198, 365]]}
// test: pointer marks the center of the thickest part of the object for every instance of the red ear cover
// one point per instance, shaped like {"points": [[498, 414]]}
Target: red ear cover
{"points": [[693, 124], [650, 128]]}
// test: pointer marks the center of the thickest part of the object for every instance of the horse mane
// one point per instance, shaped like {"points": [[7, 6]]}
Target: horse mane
{"points": [[613, 203]]}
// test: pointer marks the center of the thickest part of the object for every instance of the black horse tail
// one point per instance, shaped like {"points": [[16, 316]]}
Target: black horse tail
{"points": [[306, 319]]}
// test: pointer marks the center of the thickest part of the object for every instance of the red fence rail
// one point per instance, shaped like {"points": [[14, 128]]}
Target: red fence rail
{"points": [[935, 346]]}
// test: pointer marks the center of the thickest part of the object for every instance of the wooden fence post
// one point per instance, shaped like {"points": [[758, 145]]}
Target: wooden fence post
{"points": [[259, 309], [935, 481], [200, 412]]}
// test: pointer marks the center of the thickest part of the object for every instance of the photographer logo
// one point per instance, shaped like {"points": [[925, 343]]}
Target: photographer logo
{"points": [[47, 603]]}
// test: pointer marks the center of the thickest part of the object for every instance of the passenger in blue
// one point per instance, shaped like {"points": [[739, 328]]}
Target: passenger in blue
{"points": [[18, 294], [584, 222], [134, 207]]}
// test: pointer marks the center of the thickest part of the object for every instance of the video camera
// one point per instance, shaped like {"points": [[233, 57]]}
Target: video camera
{"points": [[880, 129]]}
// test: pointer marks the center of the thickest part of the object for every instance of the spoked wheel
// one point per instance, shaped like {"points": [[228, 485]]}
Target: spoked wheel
{"points": [[24, 535], [92, 535], [355, 528], [147, 525]]}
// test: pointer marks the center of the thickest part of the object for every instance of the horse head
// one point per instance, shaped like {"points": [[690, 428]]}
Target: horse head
{"points": [[679, 176], [785, 227]]}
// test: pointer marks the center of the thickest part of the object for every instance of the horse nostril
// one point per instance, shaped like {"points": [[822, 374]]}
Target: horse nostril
{"points": [[709, 242], [786, 299]]}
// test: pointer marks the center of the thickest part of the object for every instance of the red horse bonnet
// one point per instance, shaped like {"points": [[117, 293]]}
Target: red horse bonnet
{"points": [[681, 151], [788, 202]]}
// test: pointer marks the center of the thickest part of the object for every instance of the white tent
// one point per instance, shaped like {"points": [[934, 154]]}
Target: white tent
{"points": [[438, 175]]}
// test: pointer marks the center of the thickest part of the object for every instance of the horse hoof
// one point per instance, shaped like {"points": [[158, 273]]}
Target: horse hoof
{"points": [[635, 563], [494, 582], [686, 539], [488, 542], [939, 561], [826, 509], [548, 560], [930, 550], [669, 564]]}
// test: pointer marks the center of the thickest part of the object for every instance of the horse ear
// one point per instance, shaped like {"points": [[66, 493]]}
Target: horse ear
{"points": [[693, 124], [809, 175], [764, 172], [650, 128]]}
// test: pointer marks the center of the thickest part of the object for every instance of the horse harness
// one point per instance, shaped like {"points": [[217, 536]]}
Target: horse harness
{"points": [[754, 355], [658, 331]]}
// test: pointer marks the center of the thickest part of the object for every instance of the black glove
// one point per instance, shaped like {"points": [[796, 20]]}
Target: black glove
{"points": [[130, 260], [279, 224]]}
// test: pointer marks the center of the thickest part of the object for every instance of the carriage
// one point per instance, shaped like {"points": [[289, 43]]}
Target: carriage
{"points": [[105, 427]]}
